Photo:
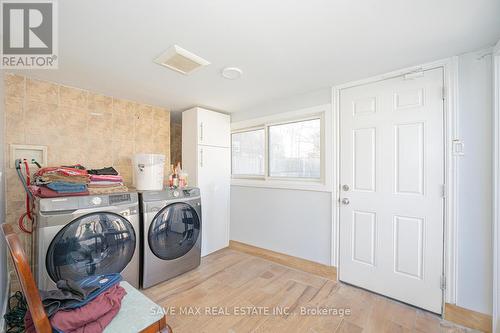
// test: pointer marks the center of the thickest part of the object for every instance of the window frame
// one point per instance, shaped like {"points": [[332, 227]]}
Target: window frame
{"points": [[284, 182], [244, 130]]}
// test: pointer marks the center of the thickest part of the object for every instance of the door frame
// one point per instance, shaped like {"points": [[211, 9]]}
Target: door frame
{"points": [[450, 70], [496, 188]]}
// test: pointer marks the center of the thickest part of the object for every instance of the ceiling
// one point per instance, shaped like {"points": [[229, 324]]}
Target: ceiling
{"points": [[283, 47]]}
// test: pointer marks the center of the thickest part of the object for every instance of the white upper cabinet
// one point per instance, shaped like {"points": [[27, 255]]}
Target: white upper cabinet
{"points": [[213, 128]]}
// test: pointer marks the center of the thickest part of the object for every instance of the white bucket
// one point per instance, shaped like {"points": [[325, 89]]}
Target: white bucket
{"points": [[148, 171]]}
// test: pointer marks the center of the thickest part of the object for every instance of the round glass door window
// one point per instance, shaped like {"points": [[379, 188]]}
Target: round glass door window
{"points": [[93, 244], [174, 231]]}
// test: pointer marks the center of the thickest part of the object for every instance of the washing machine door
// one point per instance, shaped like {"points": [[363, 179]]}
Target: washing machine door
{"points": [[97, 243], [174, 231]]}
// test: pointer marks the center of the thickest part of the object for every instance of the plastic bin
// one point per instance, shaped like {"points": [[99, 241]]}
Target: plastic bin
{"points": [[148, 171]]}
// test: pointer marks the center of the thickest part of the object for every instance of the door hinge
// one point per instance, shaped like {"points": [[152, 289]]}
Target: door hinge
{"points": [[443, 282], [443, 191], [443, 93]]}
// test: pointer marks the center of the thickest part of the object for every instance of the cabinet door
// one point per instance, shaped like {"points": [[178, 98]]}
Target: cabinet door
{"points": [[213, 181], [214, 128]]}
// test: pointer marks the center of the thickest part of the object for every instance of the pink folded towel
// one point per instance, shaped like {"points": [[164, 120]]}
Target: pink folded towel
{"points": [[106, 178], [104, 183]]}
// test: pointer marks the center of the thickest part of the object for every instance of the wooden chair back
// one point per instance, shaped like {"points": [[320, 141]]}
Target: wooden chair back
{"points": [[28, 285]]}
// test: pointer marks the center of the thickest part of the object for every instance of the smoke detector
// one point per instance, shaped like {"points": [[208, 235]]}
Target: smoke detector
{"points": [[181, 60], [231, 73]]}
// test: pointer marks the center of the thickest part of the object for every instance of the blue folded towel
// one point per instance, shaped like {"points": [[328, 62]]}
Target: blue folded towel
{"points": [[64, 187], [104, 282]]}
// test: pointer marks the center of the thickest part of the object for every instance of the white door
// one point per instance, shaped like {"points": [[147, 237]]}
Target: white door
{"points": [[391, 177], [214, 172], [214, 128]]}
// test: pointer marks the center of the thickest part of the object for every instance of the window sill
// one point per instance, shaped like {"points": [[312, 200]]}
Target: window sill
{"points": [[282, 184]]}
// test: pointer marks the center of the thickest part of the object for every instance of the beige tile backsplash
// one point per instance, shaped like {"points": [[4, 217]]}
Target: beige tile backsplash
{"points": [[176, 141], [78, 126]]}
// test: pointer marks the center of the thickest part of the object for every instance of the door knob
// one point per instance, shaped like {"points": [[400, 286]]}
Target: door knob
{"points": [[345, 201]]}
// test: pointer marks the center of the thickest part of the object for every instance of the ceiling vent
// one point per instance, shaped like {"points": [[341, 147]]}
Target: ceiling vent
{"points": [[180, 60]]}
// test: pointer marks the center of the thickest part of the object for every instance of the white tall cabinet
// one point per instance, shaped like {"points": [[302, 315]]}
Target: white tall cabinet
{"points": [[206, 157]]}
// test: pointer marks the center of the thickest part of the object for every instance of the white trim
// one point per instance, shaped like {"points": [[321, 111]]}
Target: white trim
{"points": [[335, 237], [279, 117], [289, 185], [496, 188], [450, 66], [452, 167], [3, 324], [250, 129], [323, 184]]}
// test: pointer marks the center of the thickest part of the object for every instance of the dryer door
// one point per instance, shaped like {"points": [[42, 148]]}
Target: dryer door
{"points": [[174, 231], [97, 243]]}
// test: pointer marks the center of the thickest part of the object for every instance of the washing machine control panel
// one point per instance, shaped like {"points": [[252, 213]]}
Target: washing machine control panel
{"points": [[119, 198], [96, 201], [100, 201]]}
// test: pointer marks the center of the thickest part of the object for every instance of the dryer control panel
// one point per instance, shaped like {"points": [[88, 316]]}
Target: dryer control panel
{"points": [[191, 192], [187, 192], [171, 194], [83, 202]]}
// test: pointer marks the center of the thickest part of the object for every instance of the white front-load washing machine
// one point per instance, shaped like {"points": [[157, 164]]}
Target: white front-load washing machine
{"points": [[79, 236], [171, 233]]}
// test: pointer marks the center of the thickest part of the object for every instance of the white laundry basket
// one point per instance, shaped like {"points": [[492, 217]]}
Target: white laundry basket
{"points": [[148, 171]]}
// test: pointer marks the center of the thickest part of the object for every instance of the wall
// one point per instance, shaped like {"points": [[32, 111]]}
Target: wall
{"points": [[300, 101], [496, 191], [295, 222], [474, 278], [3, 254], [78, 126]]}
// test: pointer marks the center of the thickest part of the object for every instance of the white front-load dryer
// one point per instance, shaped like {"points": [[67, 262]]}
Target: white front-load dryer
{"points": [[79, 236], [171, 233]]}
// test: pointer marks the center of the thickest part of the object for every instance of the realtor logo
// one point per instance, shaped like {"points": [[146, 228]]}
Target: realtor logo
{"points": [[29, 35]]}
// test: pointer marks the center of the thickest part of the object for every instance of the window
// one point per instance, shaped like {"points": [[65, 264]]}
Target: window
{"points": [[248, 151], [294, 149], [286, 150]]}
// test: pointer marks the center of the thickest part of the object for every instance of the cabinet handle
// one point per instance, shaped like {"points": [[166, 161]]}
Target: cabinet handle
{"points": [[201, 158], [201, 131]]}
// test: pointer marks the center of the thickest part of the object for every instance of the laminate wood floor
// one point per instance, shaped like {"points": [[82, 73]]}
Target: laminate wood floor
{"points": [[235, 292]]}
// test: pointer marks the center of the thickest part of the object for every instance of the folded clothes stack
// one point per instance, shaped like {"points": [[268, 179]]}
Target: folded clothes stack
{"points": [[105, 181], [85, 306], [76, 180], [60, 181], [109, 171]]}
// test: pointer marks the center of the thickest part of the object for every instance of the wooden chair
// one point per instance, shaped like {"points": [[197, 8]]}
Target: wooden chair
{"points": [[40, 319]]}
